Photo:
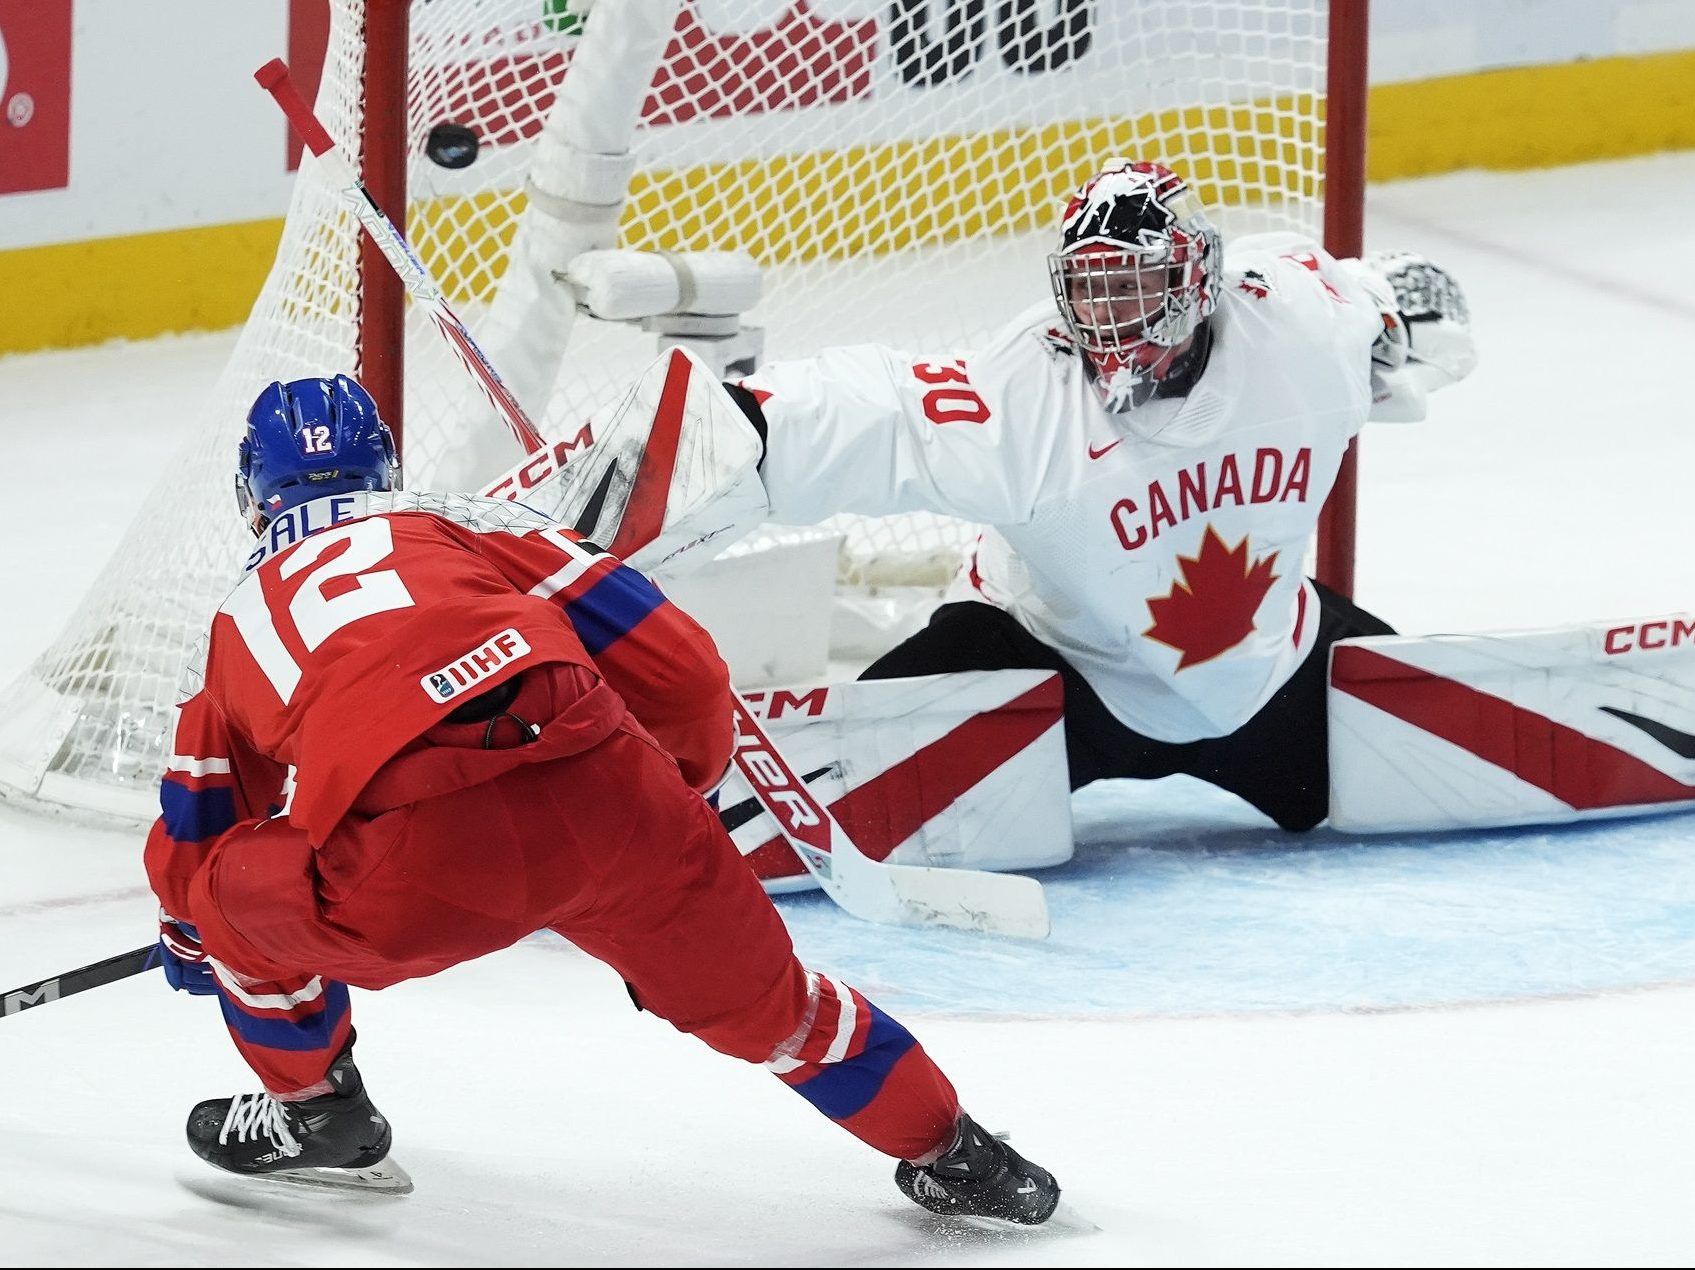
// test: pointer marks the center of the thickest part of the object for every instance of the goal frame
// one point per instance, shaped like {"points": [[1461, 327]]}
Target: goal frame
{"points": [[384, 162], [89, 719]]}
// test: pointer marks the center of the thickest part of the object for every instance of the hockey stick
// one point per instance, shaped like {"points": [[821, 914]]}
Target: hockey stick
{"points": [[43, 991], [899, 894], [1002, 903], [273, 77]]}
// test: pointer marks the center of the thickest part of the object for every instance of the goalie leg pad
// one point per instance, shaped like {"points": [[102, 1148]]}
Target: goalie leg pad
{"points": [[963, 770], [1534, 727]]}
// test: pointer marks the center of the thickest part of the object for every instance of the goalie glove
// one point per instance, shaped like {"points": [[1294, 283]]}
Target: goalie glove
{"points": [[672, 478], [1426, 340]]}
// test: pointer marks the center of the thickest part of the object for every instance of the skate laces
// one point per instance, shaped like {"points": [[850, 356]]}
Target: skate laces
{"points": [[253, 1114], [926, 1184]]}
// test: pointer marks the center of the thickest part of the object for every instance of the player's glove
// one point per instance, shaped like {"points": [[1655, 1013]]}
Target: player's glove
{"points": [[1433, 314], [1426, 340], [183, 959]]}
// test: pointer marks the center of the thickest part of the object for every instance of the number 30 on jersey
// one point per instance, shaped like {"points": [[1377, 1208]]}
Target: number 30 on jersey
{"points": [[953, 399]]}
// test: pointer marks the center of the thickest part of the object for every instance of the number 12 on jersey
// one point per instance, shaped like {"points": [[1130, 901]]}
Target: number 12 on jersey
{"points": [[315, 615]]}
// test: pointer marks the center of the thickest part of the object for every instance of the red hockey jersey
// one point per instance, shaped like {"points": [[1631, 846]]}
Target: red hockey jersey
{"points": [[362, 620]]}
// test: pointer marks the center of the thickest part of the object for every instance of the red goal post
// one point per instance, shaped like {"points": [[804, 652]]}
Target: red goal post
{"points": [[1346, 86]]}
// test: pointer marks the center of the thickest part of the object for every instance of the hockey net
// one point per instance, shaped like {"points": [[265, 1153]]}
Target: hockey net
{"points": [[895, 167]]}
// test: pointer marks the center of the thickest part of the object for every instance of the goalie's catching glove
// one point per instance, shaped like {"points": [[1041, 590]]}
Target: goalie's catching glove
{"points": [[1426, 339]]}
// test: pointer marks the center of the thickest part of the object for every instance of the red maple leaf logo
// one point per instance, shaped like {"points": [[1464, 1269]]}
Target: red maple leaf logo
{"points": [[1212, 609]]}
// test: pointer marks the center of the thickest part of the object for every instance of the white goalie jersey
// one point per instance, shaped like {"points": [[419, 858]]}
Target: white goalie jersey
{"points": [[1159, 550]]}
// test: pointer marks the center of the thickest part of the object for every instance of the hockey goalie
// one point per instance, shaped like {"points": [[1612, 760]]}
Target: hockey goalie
{"points": [[1149, 451]]}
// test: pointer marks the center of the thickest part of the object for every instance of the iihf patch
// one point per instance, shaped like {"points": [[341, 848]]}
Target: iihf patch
{"points": [[475, 666]]}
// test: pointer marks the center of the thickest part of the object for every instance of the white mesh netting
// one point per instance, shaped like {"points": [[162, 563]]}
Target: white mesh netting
{"points": [[895, 166]]}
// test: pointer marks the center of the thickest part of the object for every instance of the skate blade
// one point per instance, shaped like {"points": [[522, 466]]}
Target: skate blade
{"points": [[1064, 1220], [385, 1177]]}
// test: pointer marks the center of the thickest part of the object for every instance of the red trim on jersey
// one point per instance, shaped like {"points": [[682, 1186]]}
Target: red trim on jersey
{"points": [[1308, 261], [973, 574], [1300, 615], [644, 514], [1579, 770]]}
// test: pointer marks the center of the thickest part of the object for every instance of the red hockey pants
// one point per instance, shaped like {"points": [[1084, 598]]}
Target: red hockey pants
{"points": [[608, 847]]}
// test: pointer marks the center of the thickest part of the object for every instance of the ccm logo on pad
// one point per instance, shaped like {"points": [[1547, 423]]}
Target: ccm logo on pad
{"points": [[475, 666], [1647, 636]]}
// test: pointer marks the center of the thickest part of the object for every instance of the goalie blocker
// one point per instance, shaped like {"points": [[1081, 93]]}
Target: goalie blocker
{"points": [[671, 479], [1536, 727]]}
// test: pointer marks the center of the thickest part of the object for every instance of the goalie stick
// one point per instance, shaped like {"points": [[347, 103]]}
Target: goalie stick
{"points": [[1001, 903], [69, 982]]}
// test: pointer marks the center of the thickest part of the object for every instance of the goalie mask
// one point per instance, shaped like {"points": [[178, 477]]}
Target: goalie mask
{"points": [[1136, 276], [308, 439]]}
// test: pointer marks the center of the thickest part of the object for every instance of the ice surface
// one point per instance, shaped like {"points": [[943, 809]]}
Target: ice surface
{"points": [[1238, 1047]]}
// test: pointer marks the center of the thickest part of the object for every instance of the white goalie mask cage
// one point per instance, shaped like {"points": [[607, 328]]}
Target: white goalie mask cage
{"points": [[1136, 274]]}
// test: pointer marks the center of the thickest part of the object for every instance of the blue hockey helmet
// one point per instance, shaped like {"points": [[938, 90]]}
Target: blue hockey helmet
{"points": [[308, 439]]}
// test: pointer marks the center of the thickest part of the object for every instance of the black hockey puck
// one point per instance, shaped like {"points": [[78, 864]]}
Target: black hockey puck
{"points": [[451, 145]]}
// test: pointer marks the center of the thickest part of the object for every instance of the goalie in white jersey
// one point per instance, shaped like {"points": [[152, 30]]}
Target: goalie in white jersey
{"points": [[1150, 450]]}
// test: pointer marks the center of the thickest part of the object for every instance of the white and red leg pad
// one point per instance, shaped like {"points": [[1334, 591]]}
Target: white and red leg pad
{"points": [[953, 771], [1534, 727]]}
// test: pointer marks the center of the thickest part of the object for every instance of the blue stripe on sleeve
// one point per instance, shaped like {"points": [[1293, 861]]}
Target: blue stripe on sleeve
{"points": [[846, 1088], [314, 1031], [194, 815], [612, 607]]}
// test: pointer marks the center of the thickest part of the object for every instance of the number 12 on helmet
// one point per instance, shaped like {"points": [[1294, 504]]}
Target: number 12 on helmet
{"points": [[308, 439]]}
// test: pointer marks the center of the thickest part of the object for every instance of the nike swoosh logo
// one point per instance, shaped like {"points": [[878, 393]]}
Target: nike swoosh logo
{"points": [[1681, 744], [736, 815], [1095, 454]]}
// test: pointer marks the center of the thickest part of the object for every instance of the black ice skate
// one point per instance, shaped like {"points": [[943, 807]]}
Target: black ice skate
{"points": [[336, 1139], [981, 1176]]}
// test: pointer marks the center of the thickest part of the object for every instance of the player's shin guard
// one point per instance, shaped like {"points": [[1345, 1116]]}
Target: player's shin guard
{"points": [[289, 1032], [253, 896], [866, 1072]]}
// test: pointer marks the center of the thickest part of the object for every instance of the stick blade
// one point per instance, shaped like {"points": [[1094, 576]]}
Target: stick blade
{"points": [[970, 899]]}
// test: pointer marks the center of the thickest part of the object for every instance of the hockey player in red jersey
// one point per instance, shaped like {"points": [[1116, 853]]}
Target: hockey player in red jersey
{"points": [[427, 726], [1148, 451]]}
